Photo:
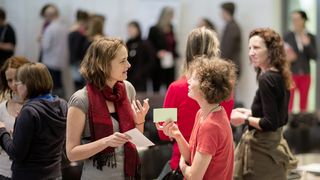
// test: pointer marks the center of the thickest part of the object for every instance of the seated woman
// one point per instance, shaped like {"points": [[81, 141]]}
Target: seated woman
{"points": [[39, 130], [209, 153]]}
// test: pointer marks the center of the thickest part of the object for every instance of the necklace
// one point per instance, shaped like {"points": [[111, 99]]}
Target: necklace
{"points": [[215, 108]]}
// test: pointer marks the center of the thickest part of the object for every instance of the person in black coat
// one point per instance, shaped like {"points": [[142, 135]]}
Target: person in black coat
{"points": [[141, 57], [39, 131], [7, 38], [78, 45], [231, 37], [163, 40]]}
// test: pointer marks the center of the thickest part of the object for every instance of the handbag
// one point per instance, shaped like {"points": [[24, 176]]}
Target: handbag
{"points": [[174, 175]]}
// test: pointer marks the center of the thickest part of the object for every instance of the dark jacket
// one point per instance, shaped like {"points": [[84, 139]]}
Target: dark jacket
{"points": [[7, 35], [159, 41], [231, 44], [301, 64], [141, 57], [38, 136], [78, 45]]}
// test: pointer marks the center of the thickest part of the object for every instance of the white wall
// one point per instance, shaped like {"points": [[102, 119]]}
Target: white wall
{"points": [[24, 16]]}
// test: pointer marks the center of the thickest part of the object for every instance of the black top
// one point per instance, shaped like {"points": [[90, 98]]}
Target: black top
{"points": [[78, 45], [271, 101], [38, 136], [7, 35], [141, 57], [160, 42], [301, 64]]}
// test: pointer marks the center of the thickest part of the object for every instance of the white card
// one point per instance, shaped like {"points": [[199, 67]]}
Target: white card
{"points": [[138, 138]]}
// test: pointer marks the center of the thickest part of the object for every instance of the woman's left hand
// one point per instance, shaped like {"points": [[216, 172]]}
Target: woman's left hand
{"points": [[140, 111]]}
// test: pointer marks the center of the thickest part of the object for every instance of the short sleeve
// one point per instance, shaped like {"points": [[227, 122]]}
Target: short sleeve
{"points": [[208, 139], [131, 92], [80, 100]]}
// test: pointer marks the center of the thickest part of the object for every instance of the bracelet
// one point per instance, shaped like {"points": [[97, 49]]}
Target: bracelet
{"points": [[140, 123]]}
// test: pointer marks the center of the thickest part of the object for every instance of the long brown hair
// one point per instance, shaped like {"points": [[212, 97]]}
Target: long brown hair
{"points": [[13, 62], [276, 53]]}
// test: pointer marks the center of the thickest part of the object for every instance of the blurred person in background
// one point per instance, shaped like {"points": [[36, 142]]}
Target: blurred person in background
{"points": [[163, 39], [78, 45], [54, 46], [206, 23], [140, 56], [301, 48], [7, 39], [231, 36]]}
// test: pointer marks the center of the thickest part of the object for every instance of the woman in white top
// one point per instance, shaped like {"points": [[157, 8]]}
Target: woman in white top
{"points": [[10, 107]]}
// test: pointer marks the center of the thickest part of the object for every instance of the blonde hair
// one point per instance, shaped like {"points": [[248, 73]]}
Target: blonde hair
{"points": [[201, 42], [165, 18]]}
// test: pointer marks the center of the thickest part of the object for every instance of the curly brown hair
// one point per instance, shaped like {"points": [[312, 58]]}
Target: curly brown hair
{"points": [[216, 77], [276, 53], [96, 65]]}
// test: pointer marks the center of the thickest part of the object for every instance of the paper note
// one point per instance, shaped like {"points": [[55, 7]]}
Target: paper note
{"points": [[163, 114], [138, 138], [315, 167]]}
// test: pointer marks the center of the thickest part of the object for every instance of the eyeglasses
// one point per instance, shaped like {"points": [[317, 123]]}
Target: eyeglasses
{"points": [[18, 83]]}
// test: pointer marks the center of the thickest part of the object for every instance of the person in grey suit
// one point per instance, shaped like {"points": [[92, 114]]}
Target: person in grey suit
{"points": [[231, 37]]}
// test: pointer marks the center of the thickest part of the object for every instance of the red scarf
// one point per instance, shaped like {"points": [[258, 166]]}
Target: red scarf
{"points": [[101, 125]]}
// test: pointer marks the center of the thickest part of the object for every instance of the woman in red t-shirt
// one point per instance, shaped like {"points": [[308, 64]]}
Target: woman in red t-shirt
{"points": [[210, 152], [201, 41]]}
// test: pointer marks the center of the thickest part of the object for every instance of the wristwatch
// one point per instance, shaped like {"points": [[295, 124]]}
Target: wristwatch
{"points": [[246, 120]]}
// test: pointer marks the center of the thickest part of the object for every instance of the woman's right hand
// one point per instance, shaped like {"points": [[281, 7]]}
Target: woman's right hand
{"points": [[116, 139], [169, 128]]}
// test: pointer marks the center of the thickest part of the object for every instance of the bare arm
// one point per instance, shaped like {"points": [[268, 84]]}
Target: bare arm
{"points": [[198, 168], [75, 126], [171, 129]]}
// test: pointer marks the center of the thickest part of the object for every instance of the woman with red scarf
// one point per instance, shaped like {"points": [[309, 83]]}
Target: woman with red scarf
{"points": [[102, 111]]}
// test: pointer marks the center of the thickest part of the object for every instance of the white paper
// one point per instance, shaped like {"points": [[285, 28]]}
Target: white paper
{"points": [[315, 167], [167, 61], [138, 138]]}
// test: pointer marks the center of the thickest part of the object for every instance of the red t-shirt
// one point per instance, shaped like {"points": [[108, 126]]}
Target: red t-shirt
{"points": [[214, 136], [177, 97]]}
